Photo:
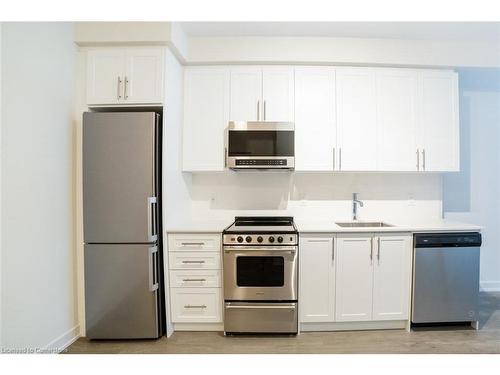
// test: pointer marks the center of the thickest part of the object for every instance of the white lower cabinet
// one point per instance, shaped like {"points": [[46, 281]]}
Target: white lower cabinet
{"points": [[373, 277], [195, 277], [196, 305], [316, 279], [392, 278]]}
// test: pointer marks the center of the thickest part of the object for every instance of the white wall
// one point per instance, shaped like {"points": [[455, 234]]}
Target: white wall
{"points": [[38, 265], [324, 50], [392, 197], [473, 195]]}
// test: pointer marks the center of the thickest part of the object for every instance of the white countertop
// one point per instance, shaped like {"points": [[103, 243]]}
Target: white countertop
{"points": [[329, 226], [322, 226]]}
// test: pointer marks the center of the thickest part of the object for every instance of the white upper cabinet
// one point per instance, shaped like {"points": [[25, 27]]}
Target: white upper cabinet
{"points": [[277, 94], [354, 281], [396, 119], [391, 277], [105, 75], [317, 279], [438, 121], [206, 114], [144, 76], [246, 94], [262, 94], [315, 132], [126, 76], [356, 119]]}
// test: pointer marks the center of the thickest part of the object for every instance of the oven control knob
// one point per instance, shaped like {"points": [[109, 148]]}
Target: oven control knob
{"points": [[271, 239], [280, 239], [239, 239], [248, 239], [260, 239]]}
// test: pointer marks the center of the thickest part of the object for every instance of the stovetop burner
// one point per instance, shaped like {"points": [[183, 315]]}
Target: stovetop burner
{"points": [[261, 230]]}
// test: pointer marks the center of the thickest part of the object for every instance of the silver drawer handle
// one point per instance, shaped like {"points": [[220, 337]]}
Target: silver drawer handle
{"points": [[193, 261], [193, 243], [200, 280], [195, 306]]}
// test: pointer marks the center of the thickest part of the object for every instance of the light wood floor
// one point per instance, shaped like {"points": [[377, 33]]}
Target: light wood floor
{"points": [[428, 340]]}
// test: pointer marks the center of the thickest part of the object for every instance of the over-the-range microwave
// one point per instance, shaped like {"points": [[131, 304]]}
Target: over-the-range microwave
{"points": [[260, 145]]}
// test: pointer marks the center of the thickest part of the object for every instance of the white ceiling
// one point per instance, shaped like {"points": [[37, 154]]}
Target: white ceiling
{"points": [[473, 31]]}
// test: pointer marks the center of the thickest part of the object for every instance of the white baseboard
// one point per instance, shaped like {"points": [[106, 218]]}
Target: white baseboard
{"points": [[353, 326], [490, 286], [62, 342]]}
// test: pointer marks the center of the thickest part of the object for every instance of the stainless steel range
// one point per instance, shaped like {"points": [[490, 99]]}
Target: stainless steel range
{"points": [[260, 275]]}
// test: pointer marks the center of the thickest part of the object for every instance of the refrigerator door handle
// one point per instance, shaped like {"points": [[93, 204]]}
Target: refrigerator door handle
{"points": [[153, 265], [152, 235]]}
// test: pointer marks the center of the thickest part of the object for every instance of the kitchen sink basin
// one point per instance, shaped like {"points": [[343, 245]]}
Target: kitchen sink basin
{"points": [[364, 224]]}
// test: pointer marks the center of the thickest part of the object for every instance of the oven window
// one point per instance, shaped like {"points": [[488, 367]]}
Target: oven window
{"points": [[260, 271], [261, 143]]}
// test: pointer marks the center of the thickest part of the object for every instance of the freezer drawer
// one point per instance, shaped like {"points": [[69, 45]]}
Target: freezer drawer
{"points": [[121, 287], [446, 284], [119, 177], [260, 317]]}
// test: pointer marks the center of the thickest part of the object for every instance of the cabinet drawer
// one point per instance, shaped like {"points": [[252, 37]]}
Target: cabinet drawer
{"points": [[195, 279], [194, 260], [196, 305], [194, 242]]}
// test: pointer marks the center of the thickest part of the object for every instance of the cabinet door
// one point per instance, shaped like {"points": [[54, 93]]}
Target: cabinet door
{"points": [[354, 278], [206, 112], [438, 123], [277, 94], [317, 279], [396, 119], [356, 119], [144, 76], [105, 76], [391, 277], [315, 133], [246, 94]]}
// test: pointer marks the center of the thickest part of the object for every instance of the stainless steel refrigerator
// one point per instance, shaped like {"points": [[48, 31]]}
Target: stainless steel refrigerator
{"points": [[122, 219]]}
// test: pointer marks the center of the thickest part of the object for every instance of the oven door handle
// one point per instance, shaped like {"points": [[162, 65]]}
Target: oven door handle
{"points": [[287, 306], [261, 248]]}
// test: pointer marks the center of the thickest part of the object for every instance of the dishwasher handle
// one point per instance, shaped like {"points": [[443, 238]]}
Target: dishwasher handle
{"points": [[460, 239]]}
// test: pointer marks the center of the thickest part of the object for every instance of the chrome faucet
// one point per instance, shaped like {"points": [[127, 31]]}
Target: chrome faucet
{"points": [[355, 202]]}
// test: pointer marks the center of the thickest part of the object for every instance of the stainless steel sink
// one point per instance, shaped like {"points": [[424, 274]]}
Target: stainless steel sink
{"points": [[364, 224]]}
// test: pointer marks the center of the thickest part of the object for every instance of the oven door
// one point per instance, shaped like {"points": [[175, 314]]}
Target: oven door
{"points": [[258, 273]]}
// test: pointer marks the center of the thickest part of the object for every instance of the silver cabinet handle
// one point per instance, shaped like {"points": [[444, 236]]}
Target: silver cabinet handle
{"points": [[119, 89], [225, 157], [340, 158], [153, 265], [334, 158], [195, 306], [125, 95], [194, 280], [371, 249], [193, 261], [418, 159], [423, 159], [333, 250], [264, 110], [152, 235], [258, 110], [192, 243], [378, 249]]}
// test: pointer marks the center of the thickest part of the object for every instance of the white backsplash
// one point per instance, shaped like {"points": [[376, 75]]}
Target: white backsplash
{"points": [[386, 196]]}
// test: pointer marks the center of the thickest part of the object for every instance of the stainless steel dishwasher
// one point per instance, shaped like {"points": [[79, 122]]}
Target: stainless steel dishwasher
{"points": [[446, 278]]}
